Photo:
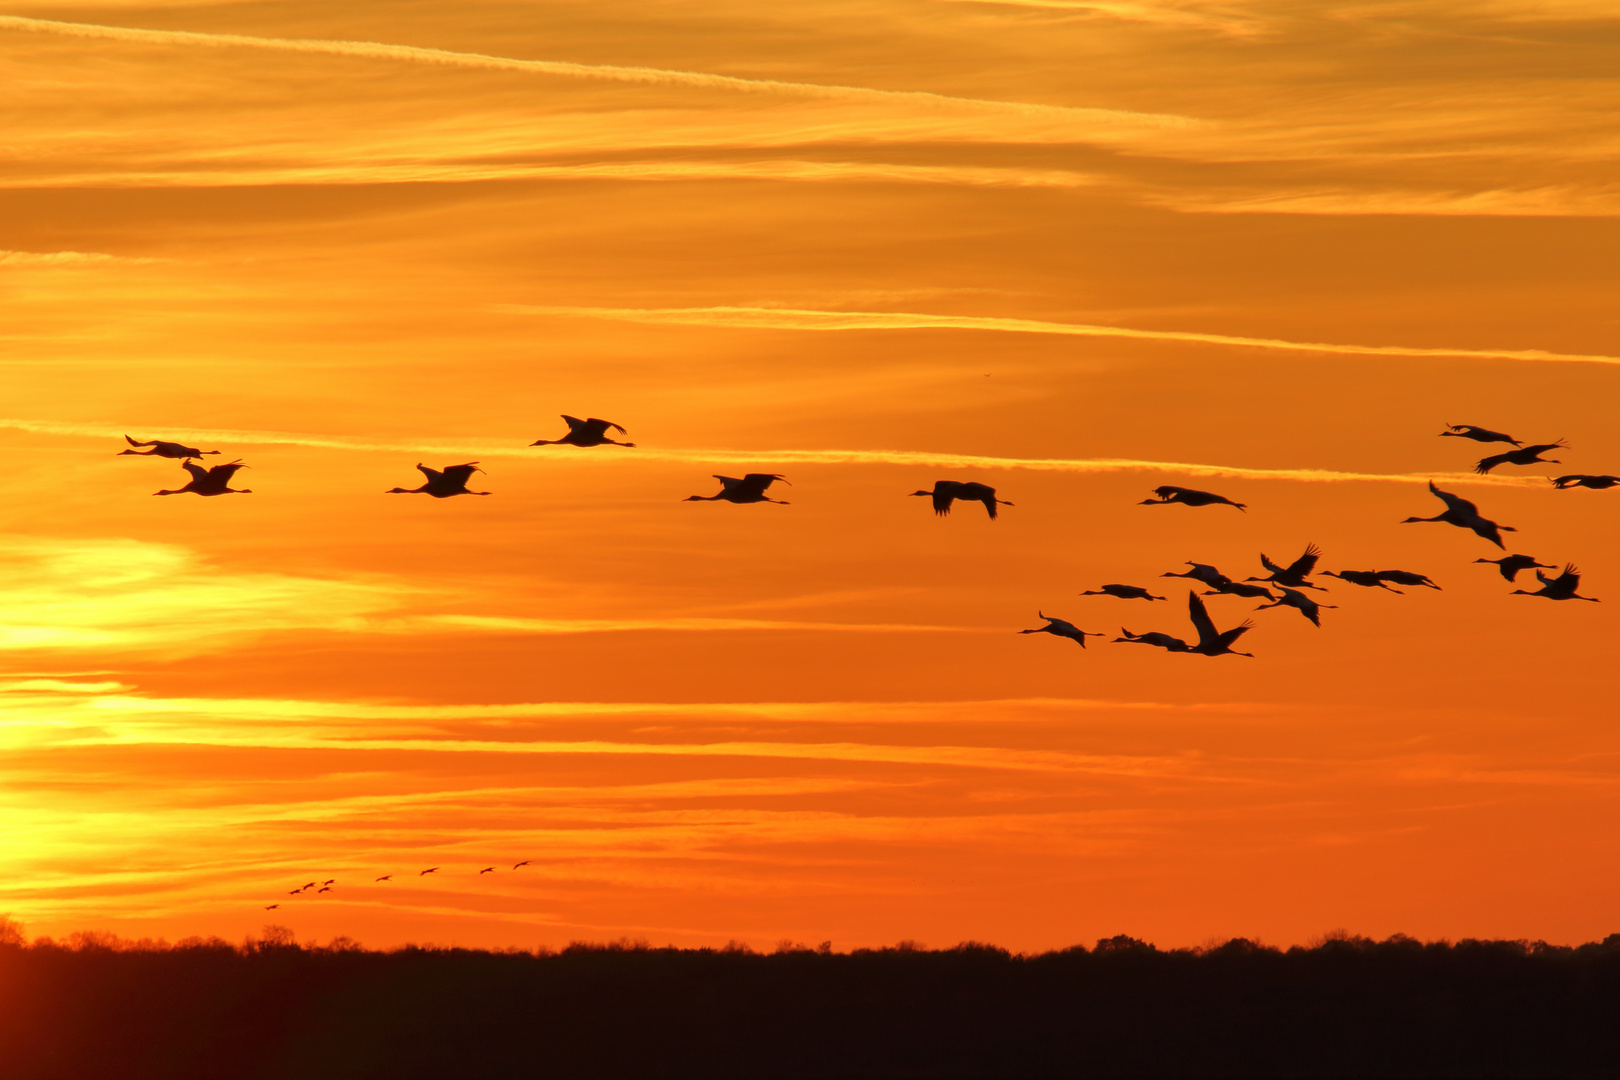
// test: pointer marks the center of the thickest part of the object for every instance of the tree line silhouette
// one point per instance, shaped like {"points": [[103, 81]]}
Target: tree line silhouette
{"points": [[95, 1006]]}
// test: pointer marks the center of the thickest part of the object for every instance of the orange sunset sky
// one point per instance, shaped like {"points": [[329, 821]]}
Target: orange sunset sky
{"points": [[1074, 250]]}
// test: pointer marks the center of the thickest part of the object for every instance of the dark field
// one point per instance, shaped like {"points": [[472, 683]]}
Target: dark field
{"points": [[270, 1008]]}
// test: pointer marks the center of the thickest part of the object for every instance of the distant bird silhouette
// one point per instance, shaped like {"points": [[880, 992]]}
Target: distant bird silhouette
{"points": [[162, 449], [215, 481], [1300, 602], [309, 884], [294, 892], [1294, 574], [1575, 480], [1188, 497], [1529, 455], [1210, 641], [386, 877], [947, 491], [271, 907], [1561, 587], [1478, 434], [749, 489], [592, 432], [1465, 515], [1366, 578], [1238, 588], [1124, 592], [1512, 564], [330, 881], [525, 862], [441, 485], [323, 888], [487, 870], [1203, 572], [1407, 577], [1154, 638], [1062, 628], [429, 870]]}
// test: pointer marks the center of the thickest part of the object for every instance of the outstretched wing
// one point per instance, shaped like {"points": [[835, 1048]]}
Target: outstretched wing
{"points": [[1486, 464], [460, 474], [601, 426], [1570, 579], [574, 423], [197, 471], [431, 474], [1165, 491], [728, 483], [1455, 502], [755, 483], [223, 473], [1227, 639], [140, 442], [1269, 565], [1302, 566], [1200, 618]]}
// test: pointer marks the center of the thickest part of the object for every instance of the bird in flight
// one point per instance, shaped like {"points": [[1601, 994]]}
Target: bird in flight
{"points": [[330, 881], [947, 491], [1368, 579], [1478, 434], [525, 862], [1124, 592], [592, 432], [1210, 641], [271, 907], [162, 449], [1294, 574], [1512, 564], [1465, 515], [1202, 572], [309, 884], [1062, 628], [1561, 587], [1408, 577], [487, 870], [323, 888], [452, 480], [1188, 497], [429, 870], [1238, 588], [1528, 455], [749, 489], [1581, 480], [1300, 602], [294, 892], [215, 481], [386, 877]]}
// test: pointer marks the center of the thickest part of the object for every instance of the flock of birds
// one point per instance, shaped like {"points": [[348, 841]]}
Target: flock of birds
{"points": [[1282, 586]]}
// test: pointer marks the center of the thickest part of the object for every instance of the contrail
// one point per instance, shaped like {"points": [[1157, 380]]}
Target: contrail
{"points": [[382, 51], [699, 456], [801, 319]]}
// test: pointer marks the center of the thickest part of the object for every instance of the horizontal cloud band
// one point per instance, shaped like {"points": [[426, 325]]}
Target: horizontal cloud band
{"points": [[757, 318]]}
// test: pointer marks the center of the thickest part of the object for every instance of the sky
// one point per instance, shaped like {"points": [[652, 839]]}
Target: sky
{"points": [[1073, 250]]}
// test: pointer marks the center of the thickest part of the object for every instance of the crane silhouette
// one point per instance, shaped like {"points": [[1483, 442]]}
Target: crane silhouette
{"points": [[1561, 587], [525, 862], [592, 432], [1512, 564], [1366, 578], [947, 491], [330, 881], [1465, 515], [1478, 434], [429, 870], [162, 449], [1528, 455], [271, 907], [1238, 588], [1168, 494], [1124, 592], [1581, 480], [323, 888], [1300, 602], [1062, 628], [749, 489], [205, 482], [1202, 572], [1294, 574], [442, 484], [487, 870], [1408, 577], [386, 877], [1210, 641]]}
